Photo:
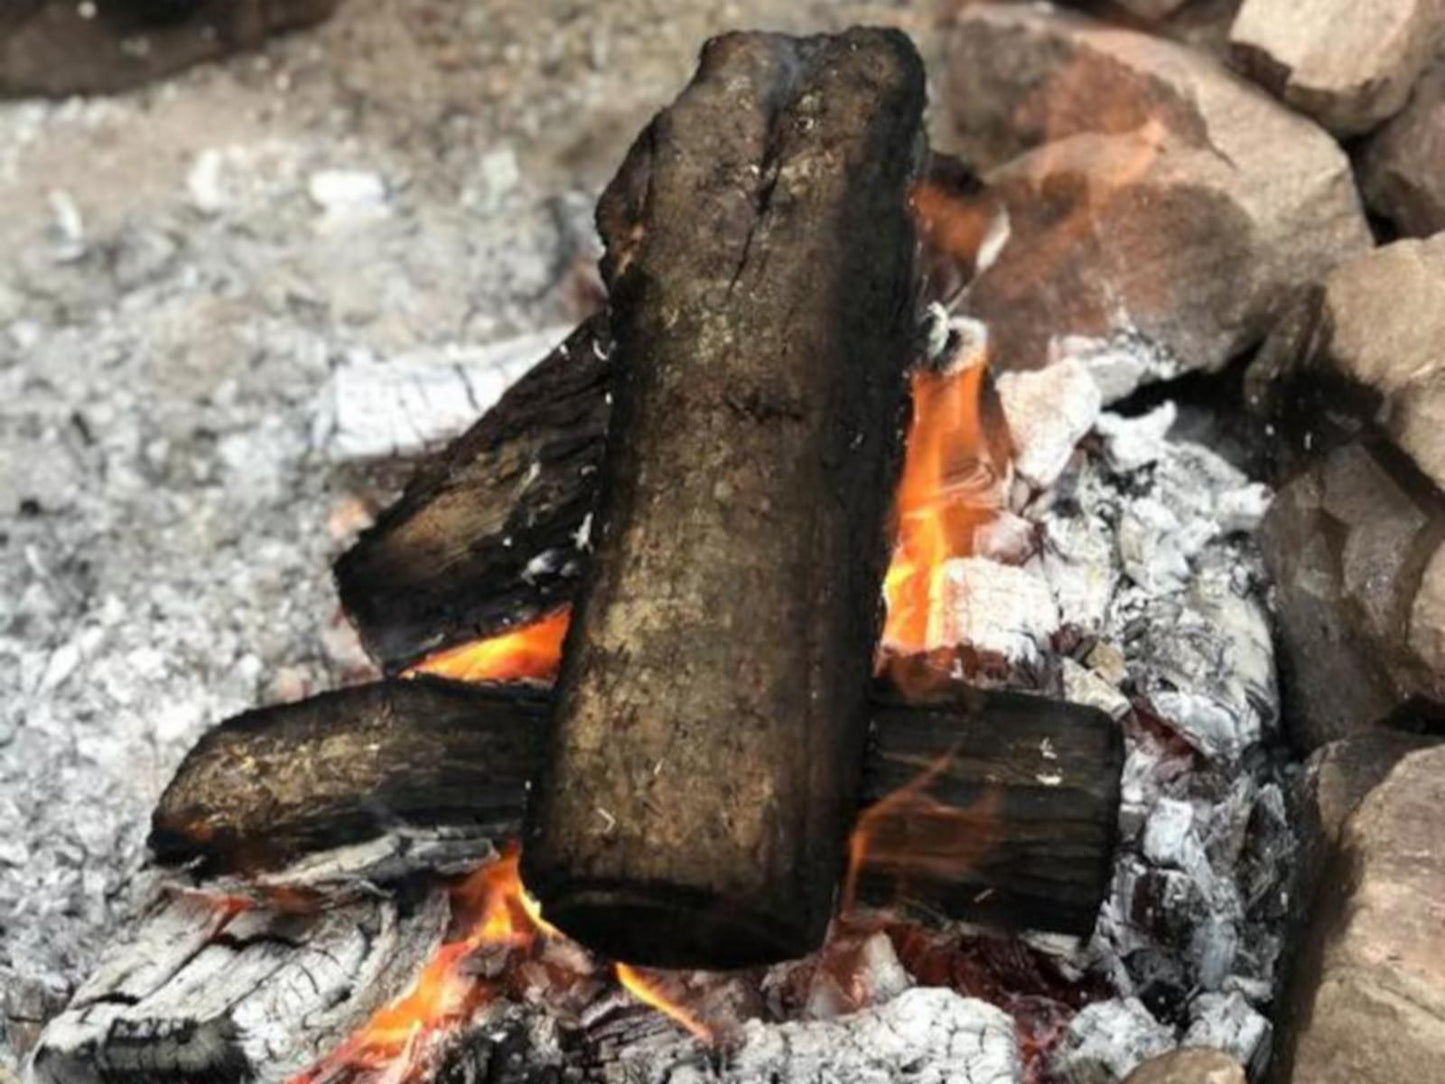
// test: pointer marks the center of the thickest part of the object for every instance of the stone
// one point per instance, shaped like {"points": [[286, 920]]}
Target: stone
{"points": [[1402, 171], [1107, 1040], [1350, 64], [1189, 1065], [1153, 10], [1349, 545], [1367, 1004], [57, 49], [1152, 196], [1374, 328]]}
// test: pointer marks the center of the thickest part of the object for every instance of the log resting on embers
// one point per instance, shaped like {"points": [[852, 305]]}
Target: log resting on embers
{"points": [[983, 806], [702, 761]]}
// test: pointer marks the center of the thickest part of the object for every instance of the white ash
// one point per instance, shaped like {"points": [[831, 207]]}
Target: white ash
{"points": [[164, 485], [993, 607], [1048, 411], [1145, 545], [924, 1036], [1119, 364], [1106, 1041], [380, 408], [1227, 1021]]}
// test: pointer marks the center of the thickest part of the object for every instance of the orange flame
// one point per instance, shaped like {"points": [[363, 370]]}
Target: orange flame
{"points": [[529, 652], [496, 913], [651, 994], [909, 833], [948, 489]]}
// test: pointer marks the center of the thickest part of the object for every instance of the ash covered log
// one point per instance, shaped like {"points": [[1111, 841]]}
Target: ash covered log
{"points": [[204, 991], [983, 806], [707, 731], [488, 534]]}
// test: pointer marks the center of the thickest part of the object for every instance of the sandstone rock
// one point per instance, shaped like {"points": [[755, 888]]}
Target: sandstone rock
{"points": [[58, 48], [1368, 343], [1150, 193], [1190, 1065], [1349, 544], [1350, 64], [1153, 10], [1368, 1006], [1340, 775], [1403, 168]]}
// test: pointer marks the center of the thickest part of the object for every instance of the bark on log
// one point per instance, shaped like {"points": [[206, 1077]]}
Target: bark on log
{"points": [[1014, 823], [489, 533], [726, 623], [277, 784], [492, 533], [203, 991]]}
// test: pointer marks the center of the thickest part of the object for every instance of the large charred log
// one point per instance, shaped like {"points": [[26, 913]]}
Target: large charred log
{"points": [[493, 532], [727, 619], [984, 806], [489, 533]]}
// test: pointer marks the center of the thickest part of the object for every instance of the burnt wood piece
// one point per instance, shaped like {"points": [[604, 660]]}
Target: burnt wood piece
{"points": [[703, 756], [997, 807], [203, 991], [982, 806], [274, 785], [489, 533], [493, 531]]}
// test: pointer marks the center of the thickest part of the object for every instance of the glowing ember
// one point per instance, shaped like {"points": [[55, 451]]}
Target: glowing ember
{"points": [[531, 652], [651, 993], [949, 489]]}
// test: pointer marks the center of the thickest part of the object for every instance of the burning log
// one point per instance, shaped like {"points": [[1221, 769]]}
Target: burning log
{"points": [[493, 533], [488, 534], [276, 785], [982, 806], [726, 624]]}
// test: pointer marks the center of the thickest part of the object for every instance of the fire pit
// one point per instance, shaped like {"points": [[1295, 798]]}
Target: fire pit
{"points": [[849, 653]]}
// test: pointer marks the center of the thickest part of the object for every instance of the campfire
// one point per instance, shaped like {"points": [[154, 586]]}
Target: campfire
{"points": [[817, 666]]}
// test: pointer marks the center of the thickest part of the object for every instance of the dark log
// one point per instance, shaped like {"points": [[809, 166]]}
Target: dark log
{"points": [[995, 806], [486, 536], [489, 533], [982, 806], [726, 623], [277, 784]]}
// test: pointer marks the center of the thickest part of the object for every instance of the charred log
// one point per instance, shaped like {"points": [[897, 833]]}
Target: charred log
{"points": [[489, 533], [984, 806], [275, 785], [995, 806], [494, 531], [727, 619]]}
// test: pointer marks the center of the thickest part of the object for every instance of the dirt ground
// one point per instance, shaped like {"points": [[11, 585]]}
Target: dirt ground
{"points": [[187, 269]]}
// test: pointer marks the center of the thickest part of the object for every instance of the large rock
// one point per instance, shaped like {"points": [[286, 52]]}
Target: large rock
{"points": [[1403, 168], [1152, 196], [1369, 344], [59, 48], [1350, 64], [1368, 1005], [1190, 1065], [1354, 545]]}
